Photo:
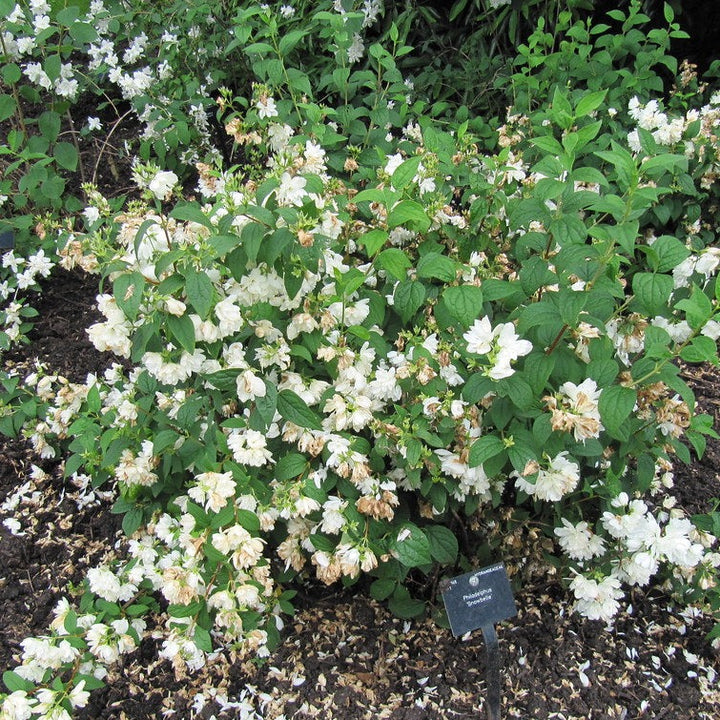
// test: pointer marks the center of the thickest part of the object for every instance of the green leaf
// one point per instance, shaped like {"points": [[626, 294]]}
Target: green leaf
{"points": [[290, 466], [297, 80], [53, 187], [548, 144], [289, 40], [484, 448], [539, 313], [477, 387], [267, 404], [199, 291], [132, 521], [183, 330], [519, 391], [408, 298], [382, 589], [538, 367], [624, 164], [436, 265], [294, 409], [652, 292], [615, 405], [405, 172], [464, 303], [191, 213], [82, 32], [568, 229], [66, 156], [128, 292], [701, 349], [7, 107], [669, 253], [603, 371], [395, 262], [589, 102], [410, 214], [223, 244], [570, 303], [443, 544], [184, 611], [11, 72], [49, 125], [414, 548], [698, 308], [372, 241], [202, 639], [163, 440], [14, 683], [249, 520], [404, 606]]}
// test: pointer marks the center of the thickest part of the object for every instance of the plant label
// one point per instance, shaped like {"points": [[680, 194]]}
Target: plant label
{"points": [[7, 241], [478, 599]]}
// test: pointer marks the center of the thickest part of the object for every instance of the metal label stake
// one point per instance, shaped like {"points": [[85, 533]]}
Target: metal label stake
{"points": [[479, 599], [492, 672]]}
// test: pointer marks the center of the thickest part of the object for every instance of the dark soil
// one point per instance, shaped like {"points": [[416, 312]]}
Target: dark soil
{"points": [[344, 655]]}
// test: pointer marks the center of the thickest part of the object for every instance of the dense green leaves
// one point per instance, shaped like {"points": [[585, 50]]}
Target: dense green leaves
{"points": [[426, 317]]}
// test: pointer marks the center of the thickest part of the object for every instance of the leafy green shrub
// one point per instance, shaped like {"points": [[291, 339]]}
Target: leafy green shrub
{"points": [[370, 331]]}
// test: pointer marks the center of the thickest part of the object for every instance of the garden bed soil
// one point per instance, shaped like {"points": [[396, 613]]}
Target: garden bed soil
{"points": [[343, 654]]}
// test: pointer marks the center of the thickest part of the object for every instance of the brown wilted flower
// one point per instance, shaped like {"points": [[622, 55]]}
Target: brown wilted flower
{"points": [[649, 395], [673, 416], [305, 238], [379, 509]]}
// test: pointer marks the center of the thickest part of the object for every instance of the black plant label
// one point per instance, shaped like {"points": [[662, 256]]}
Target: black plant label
{"points": [[478, 599]]}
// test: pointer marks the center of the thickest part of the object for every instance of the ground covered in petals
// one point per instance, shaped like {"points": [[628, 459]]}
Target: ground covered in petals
{"points": [[345, 655]]}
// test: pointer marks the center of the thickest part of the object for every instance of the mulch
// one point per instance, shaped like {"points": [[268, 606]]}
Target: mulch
{"points": [[343, 655]]}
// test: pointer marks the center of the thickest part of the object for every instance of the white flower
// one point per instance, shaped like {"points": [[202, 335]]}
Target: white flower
{"points": [[561, 477], [162, 184], [79, 696], [597, 600], [479, 337], [676, 546], [104, 583], [250, 386], [266, 107], [278, 136], [213, 489], [92, 214], [356, 50], [249, 447], [393, 163], [711, 329], [578, 410], [502, 344], [39, 264], [16, 706], [175, 307], [230, 317], [578, 541], [291, 190], [333, 519]]}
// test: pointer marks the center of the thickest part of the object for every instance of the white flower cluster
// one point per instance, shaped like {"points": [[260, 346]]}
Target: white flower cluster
{"points": [[650, 118], [636, 541], [501, 345], [24, 275]]}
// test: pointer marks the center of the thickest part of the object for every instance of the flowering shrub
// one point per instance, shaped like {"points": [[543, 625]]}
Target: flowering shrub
{"points": [[369, 331]]}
